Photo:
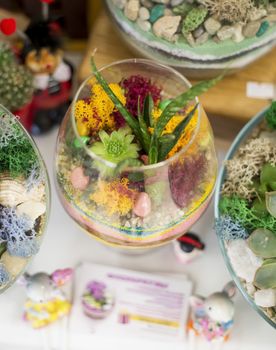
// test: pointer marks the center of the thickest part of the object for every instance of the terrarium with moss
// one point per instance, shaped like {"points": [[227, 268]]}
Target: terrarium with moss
{"points": [[246, 212], [135, 159], [24, 198], [201, 36]]}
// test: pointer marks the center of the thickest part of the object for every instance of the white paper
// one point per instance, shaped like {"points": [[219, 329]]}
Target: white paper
{"points": [[266, 91], [157, 305]]}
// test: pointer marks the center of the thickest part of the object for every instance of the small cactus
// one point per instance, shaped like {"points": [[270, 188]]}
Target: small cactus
{"points": [[194, 19], [16, 86], [6, 54]]}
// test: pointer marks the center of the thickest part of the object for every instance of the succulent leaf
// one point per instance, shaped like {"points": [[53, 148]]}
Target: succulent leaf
{"points": [[263, 243], [270, 198], [265, 276]]}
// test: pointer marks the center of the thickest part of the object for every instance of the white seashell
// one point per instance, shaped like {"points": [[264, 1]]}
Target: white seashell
{"points": [[12, 192], [32, 209]]}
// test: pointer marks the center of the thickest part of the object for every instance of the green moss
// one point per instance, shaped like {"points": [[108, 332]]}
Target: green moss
{"points": [[271, 116], [239, 210], [17, 156]]}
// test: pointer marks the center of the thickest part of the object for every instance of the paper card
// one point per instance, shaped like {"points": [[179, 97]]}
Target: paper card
{"points": [[266, 91], [146, 305]]}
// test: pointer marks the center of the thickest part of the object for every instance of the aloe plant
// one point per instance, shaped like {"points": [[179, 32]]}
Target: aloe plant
{"points": [[155, 144]]}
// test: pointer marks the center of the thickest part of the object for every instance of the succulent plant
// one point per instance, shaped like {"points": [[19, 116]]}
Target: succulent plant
{"points": [[16, 86], [263, 243], [116, 147], [6, 54], [265, 276], [270, 198], [156, 145], [194, 19]]}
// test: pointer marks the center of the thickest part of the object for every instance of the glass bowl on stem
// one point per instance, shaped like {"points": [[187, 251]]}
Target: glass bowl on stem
{"points": [[141, 206]]}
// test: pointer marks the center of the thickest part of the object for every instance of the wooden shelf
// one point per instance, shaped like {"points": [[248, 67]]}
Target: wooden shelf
{"points": [[227, 99]]}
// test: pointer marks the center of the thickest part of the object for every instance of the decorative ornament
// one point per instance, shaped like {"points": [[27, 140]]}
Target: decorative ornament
{"points": [[212, 317], [8, 26], [188, 247], [47, 302]]}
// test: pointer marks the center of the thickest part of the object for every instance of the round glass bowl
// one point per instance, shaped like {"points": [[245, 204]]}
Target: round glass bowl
{"points": [[198, 60], [241, 262], [178, 190], [24, 199]]}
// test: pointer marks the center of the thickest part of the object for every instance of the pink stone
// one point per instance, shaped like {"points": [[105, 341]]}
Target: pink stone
{"points": [[142, 206], [78, 179]]}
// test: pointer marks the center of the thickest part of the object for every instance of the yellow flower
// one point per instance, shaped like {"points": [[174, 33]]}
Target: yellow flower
{"points": [[175, 120], [115, 196], [96, 114]]}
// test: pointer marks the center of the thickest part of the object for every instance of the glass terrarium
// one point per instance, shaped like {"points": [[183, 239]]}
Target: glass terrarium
{"points": [[202, 37], [133, 204], [24, 199], [245, 212]]}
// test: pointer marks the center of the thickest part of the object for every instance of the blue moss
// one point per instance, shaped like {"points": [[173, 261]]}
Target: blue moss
{"points": [[229, 230], [23, 249], [4, 275], [17, 232]]}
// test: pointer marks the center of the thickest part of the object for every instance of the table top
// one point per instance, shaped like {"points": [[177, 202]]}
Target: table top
{"points": [[227, 99], [65, 245]]}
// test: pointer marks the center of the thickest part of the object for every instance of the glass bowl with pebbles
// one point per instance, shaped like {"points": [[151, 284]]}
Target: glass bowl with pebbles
{"points": [[135, 158], [24, 199], [245, 211], [200, 37]]}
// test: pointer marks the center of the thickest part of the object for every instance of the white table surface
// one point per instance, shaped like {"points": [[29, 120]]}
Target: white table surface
{"points": [[65, 245]]}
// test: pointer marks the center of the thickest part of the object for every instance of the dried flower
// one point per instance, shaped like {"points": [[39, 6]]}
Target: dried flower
{"points": [[136, 87], [239, 211], [246, 165], [228, 229], [184, 178], [4, 275], [17, 231], [115, 197]]}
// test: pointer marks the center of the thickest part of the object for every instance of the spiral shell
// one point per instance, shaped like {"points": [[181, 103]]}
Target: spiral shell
{"points": [[14, 192]]}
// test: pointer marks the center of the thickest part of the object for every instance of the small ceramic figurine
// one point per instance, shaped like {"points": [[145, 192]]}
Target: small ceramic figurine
{"points": [[97, 300], [188, 247], [212, 317], [46, 302]]}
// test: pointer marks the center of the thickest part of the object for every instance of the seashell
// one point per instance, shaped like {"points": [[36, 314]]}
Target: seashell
{"points": [[12, 192], [32, 209]]}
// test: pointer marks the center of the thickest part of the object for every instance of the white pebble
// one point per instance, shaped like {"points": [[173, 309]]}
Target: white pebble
{"points": [[144, 25], [265, 297], [244, 262], [144, 13]]}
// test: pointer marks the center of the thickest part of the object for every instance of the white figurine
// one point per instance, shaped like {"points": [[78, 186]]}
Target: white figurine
{"points": [[46, 301], [212, 317]]}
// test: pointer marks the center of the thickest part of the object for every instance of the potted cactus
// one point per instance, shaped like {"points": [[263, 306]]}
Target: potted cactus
{"points": [[16, 85]]}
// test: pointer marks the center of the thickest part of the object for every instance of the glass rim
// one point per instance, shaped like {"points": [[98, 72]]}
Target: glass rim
{"points": [[142, 167], [48, 198]]}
